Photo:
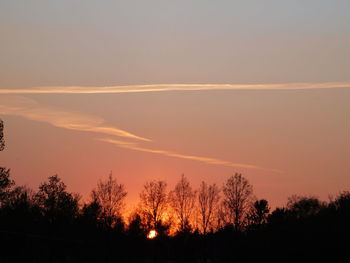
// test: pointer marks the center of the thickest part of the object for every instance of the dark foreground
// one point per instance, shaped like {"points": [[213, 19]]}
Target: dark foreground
{"points": [[303, 233]]}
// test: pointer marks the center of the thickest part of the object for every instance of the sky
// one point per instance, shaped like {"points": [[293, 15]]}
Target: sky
{"points": [[153, 89]]}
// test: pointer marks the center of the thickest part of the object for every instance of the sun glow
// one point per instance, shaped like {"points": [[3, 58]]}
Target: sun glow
{"points": [[152, 234]]}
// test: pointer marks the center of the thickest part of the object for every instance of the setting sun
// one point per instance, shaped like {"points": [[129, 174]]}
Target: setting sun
{"points": [[152, 234]]}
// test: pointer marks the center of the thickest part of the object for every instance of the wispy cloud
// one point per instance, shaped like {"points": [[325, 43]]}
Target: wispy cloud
{"points": [[208, 160], [29, 109], [171, 87]]}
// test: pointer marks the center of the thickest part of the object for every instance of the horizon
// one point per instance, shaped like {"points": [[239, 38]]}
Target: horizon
{"points": [[76, 125]]}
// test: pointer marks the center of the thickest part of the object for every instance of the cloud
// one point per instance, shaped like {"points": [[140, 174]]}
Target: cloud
{"points": [[208, 160], [171, 87], [29, 109]]}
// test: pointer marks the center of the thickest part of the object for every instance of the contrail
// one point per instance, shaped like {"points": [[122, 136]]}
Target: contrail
{"points": [[171, 87], [29, 109], [26, 108], [208, 160]]}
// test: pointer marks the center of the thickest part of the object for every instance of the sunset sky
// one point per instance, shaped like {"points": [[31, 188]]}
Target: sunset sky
{"points": [[153, 89]]}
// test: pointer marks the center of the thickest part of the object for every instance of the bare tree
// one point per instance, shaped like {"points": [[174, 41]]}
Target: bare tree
{"points": [[182, 199], [238, 194], [110, 195], [153, 202], [2, 142], [222, 216], [208, 199]]}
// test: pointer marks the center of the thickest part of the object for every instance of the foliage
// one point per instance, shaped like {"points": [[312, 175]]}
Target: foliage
{"points": [[258, 213], [55, 202]]}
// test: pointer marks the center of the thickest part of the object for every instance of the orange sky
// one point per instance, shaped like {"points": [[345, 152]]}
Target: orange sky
{"points": [[284, 141], [260, 88]]}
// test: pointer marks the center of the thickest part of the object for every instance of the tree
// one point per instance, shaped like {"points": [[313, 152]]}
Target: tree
{"points": [[342, 202], [237, 199], [136, 227], [110, 195], [2, 142], [90, 213], [20, 196], [55, 202], [154, 203], [303, 206], [5, 184], [208, 199], [258, 213], [20, 207], [182, 199]]}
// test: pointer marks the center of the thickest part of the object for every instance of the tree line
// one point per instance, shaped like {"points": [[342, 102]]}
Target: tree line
{"points": [[204, 224], [181, 210]]}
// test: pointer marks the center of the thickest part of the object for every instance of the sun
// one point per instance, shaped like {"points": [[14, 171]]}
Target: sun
{"points": [[152, 234]]}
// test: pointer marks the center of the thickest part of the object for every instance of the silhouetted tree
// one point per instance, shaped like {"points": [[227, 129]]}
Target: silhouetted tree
{"points": [[18, 196], [279, 216], [2, 141], [20, 209], [208, 199], [258, 213], [182, 200], [110, 195], [342, 201], [302, 206], [237, 199], [90, 213], [222, 218], [341, 206], [55, 202], [136, 227], [154, 203], [5, 184], [48, 226]]}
